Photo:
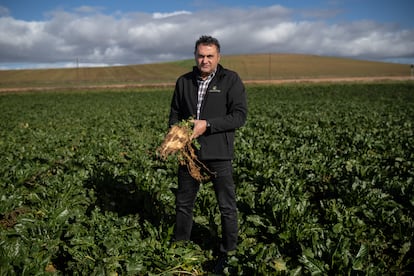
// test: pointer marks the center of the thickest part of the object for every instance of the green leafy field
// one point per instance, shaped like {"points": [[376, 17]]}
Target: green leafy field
{"points": [[324, 172]]}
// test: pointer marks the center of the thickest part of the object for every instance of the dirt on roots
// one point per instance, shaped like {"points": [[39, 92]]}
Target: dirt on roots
{"points": [[178, 142]]}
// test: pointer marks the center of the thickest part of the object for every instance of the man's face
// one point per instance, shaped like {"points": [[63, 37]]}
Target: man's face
{"points": [[207, 57]]}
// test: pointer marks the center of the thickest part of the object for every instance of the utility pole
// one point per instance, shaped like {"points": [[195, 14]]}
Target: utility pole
{"points": [[77, 69], [270, 66]]}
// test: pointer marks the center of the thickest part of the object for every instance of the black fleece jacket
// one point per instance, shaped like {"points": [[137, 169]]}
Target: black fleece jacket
{"points": [[224, 107]]}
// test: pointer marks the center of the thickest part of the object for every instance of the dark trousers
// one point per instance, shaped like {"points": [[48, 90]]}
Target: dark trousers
{"points": [[224, 188]]}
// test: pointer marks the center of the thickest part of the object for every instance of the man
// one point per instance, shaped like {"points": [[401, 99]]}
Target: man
{"points": [[215, 97]]}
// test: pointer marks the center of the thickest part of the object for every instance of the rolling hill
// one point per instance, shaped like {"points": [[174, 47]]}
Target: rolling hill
{"points": [[254, 67]]}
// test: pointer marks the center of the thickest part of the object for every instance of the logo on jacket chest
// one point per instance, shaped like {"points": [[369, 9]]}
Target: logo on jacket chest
{"points": [[214, 89]]}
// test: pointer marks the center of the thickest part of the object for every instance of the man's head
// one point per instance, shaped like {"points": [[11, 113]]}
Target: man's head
{"points": [[207, 54]]}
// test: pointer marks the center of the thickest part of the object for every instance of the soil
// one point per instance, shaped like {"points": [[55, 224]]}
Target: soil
{"points": [[163, 85]]}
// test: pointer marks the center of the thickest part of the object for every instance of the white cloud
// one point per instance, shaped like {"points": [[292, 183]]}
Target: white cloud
{"points": [[97, 38], [89, 9], [4, 11], [159, 15]]}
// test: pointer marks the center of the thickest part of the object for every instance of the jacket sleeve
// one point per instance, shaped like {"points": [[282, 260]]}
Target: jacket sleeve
{"points": [[184, 99], [237, 107], [174, 108]]}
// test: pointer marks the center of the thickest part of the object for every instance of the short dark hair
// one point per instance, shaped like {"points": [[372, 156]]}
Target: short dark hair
{"points": [[207, 40]]}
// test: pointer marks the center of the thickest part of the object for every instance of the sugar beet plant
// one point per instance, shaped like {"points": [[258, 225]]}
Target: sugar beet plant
{"points": [[324, 173]]}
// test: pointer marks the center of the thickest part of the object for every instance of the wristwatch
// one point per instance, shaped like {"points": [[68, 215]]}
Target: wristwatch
{"points": [[208, 124]]}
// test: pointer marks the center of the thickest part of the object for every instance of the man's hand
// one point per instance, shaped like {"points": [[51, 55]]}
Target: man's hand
{"points": [[200, 126]]}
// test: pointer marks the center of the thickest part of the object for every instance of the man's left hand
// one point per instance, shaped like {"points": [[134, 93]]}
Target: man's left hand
{"points": [[200, 126]]}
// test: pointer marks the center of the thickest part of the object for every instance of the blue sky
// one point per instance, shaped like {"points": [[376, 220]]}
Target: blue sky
{"points": [[45, 33], [398, 11]]}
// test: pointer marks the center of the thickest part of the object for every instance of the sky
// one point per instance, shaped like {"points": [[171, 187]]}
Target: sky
{"points": [[50, 34]]}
